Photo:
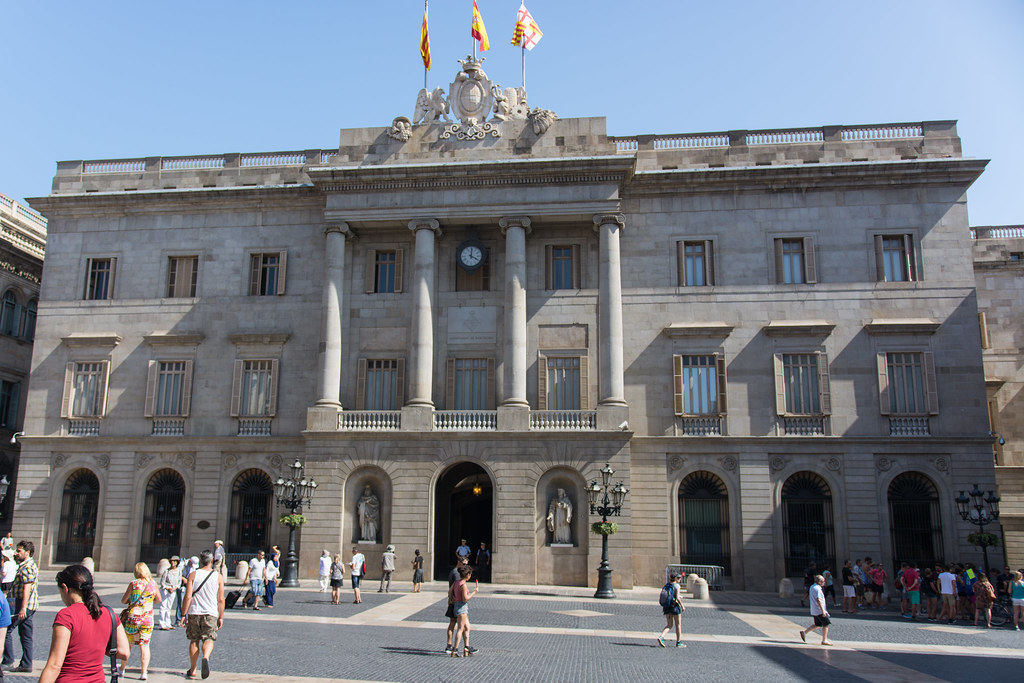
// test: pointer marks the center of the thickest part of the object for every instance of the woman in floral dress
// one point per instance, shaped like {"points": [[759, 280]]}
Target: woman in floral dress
{"points": [[138, 616]]}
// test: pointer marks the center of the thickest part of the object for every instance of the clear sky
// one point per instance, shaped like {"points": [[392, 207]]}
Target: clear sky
{"points": [[103, 80]]}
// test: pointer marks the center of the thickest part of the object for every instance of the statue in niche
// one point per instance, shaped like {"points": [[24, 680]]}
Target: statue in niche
{"points": [[368, 508], [560, 518]]}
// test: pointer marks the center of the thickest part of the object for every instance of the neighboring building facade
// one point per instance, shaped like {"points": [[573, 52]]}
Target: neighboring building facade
{"points": [[999, 270], [22, 246], [771, 336]]}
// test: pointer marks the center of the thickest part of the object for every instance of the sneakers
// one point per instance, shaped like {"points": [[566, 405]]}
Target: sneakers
{"points": [[661, 641], [906, 616], [680, 643], [803, 636], [21, 670], [470, 651], [205, 669], [448, 649]]}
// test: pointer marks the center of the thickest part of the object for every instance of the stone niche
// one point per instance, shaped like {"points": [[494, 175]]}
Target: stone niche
{"points": [[380, 484], [558, 564]]}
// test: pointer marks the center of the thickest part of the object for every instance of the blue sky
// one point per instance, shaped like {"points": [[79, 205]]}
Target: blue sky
{"points": [[107, 80]]}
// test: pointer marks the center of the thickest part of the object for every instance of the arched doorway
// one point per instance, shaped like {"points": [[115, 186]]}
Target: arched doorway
{"points": [[161, 521], [704, 521], [914, 521], [77, 531], [463, 509], [251, 505], [807, 523]]}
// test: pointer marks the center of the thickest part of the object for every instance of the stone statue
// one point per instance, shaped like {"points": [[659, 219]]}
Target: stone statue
{"points": [[560, 518], [542, 120], [430, 107], [368, 508], [510, 103], [401, 129]]}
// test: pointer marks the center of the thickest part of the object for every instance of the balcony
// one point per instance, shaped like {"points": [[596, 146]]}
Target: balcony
{"points": [[909, 426], [254, 426], [173, 426], [83, 427]]}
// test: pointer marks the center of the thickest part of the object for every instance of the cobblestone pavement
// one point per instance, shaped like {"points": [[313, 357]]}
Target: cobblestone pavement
{"points": [[559, 634]]}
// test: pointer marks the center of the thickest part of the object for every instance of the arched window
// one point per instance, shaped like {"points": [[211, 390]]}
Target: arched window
{"points": [[704, 521], [809, 535], [28, 320], [252, 500], [9, 314], [77, 531], [914, 520], [161, 521]]}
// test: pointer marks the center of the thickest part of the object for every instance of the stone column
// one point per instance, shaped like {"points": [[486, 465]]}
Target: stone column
{"points": [[515, 229], [421, 356], [329, 384], [612, 383]]}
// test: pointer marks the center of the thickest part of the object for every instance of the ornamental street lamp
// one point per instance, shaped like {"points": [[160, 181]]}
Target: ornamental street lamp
{"points": [[293, 493], [611, 498], [973, 510]]}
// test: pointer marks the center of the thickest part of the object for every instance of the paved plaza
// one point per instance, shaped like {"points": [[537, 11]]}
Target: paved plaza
{"points": [[544, 633]]}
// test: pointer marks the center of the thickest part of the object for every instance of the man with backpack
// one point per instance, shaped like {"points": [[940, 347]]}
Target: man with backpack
{"points": [[672, 608]]}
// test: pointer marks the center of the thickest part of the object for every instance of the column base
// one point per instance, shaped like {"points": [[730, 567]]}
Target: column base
{"points": [[613, 418], [514, 418], [418, 418], [322, 418]]}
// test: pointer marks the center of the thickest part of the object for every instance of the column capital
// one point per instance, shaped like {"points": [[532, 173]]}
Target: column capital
{"points": [[425, 224], [340, 227], [606, 218], [515, 222]]}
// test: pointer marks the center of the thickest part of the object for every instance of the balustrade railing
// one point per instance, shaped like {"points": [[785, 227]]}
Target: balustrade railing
{"points": [[169, 427], [702, 426], [465, 420], [691, 141], [254, 426], [189, 163], [370, 420], [83, 427], [909, 426], [273, 159], [893, 131], [782, 137], [114, 166], [804, 426], [563, 420], [1000, 232]]}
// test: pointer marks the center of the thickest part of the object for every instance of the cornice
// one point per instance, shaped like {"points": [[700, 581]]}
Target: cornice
{"points": [[83, 340], [799, 328], [708, 329], [879, 326], [263, 339], [162, 200], [174, 339]]}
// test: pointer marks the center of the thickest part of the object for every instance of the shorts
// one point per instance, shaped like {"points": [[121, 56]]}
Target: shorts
{"points": [[337, 583], [877, 588], [1018, 602], [460, 608], [915, 597], [200, 627], [948, 599], [355, 580], [821, 620], [849, 592]]}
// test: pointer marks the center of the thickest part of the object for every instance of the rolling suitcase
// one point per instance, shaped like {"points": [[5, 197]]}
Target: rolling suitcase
{"points": [[231, 598]]}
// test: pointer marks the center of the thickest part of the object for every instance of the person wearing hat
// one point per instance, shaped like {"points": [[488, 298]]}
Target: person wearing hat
{"points": [[169, 581], [387, 566], [219, 559], [10, 567]]}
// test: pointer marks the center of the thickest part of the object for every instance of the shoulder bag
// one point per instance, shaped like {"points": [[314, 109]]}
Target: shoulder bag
{"points": [[115, 673]]}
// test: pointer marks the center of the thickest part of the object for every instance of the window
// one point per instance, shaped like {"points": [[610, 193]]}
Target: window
{"points": [[906, 383], [704, 521], [384, 271], [182, 274], [914, 523], [563, 266], [28, 316], [9, 395], [99, 278], [255, 388], [696, 263], [699, 384], [169, 389], [807, 527], [9, 311], [251, 504], [267, 273], [381, 384], [802, 384], [85, 389], [470, 383], [794, 261], [894, 258], [563, 383], [477, 281]]}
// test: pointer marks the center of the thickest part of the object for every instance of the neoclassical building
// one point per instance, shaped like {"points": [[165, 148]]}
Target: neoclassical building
{"points": [[771, 336]]}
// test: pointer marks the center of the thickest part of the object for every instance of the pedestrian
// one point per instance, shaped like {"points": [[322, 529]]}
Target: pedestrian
{"points": [[929, 594], [911, 580], [337, 578], [81, 631], [809, 574], [819, 611], [358, 565], [270, 576], [170, 581], [187, 567], [220, 563], [984, 596], [483, 562], [860, 582], [275, 556], [453, 576], [387, 568], [25, 601], [462, 551], [9, 569], [672, 608], [137, 618], [1017, 598], [257, 567], [878, 576], [7, 542], [459, 597], [947, 590], [417, 572], [325, 570], [204, 613], [829, 588], [849, 589]]}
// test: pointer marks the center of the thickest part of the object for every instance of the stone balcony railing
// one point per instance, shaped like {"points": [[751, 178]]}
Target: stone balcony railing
{"points": [[466, 420], [24, 228], [997, 232]]}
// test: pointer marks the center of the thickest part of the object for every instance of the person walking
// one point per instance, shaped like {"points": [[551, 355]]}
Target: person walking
{"points": [[358, 565], [270, 575], [1017, 599], [81, 631], [830, 589], [819, 611], [849, 589], [9, 569], [672, 608], [417, 572], [137, 618], [257, 568], [170, 581], [453, 576], [325, 570], [387, 568], [204, 613], [25, 601], [984, 596], [220, 563], [337, 578], [459, 597], [188, 565]]}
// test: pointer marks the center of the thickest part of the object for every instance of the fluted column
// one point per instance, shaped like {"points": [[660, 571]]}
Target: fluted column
{"points": [[421, 356], [329, 384], [515, 229], [612, 384]]}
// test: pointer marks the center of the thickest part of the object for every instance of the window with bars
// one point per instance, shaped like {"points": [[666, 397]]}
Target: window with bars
{"points": [[99, 278], [10, 394], [894, 258], [85, 389], [470, 383], [381, 383], [704, 521], [255, 388], [562, 266], [162, 516], [169, 389], [795, 261], [802, 384], [696, 263], [267, 273], [182, 275], [907, 384], [76, 531], [699, 384]]}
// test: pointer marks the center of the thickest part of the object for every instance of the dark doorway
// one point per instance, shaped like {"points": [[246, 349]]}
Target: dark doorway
{"points": [[77, 530], [161, 521], [464, 509]]}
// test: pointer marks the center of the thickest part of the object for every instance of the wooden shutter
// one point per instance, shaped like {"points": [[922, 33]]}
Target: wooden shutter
{"points": [[400, 381], [910, 258], [577, 267], [370, 276], [720, 366], [69, 390], [930, 385], [491, 385], [361, 384], [983, 328], [780, 273], [542, 382], [449, 384], [110, 283], [149, 408], [281, 271], [399, 254], [709, 262], [101, 400], [274, 378], [810, 264], [680, 263], [254, 274], [548, 266], [879, 259], [824, 388], [677, 384], [186, 390], [883, 384], [780, 385], [236, 388], [584, 383]]}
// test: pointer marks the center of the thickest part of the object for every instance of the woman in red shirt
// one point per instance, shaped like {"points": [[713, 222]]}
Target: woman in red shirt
{"points": [[81, 632]]}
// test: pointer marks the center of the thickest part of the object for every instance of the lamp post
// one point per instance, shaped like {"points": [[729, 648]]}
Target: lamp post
{"points": [[610, 498], [293, 493], [973, 510], [4, 485]]}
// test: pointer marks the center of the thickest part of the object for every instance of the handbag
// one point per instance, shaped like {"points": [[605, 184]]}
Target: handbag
{"points": [[115, 673]]}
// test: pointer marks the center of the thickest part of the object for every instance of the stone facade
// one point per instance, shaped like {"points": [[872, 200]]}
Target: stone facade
{"points": [[466, 397]]}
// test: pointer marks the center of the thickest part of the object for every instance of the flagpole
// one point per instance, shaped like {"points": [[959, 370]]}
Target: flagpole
{"points": [[524, 66], [425, 70]]}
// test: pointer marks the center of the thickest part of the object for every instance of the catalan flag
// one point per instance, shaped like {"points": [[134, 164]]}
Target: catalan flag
{"points": [[527, 33], [425, 41], [478, 31]]}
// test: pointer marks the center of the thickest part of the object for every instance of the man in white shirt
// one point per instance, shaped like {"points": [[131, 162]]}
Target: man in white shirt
{"points": [[358, 565], [257, 570], [270, 575], [818, 610], [325, 570], [947, 589]]}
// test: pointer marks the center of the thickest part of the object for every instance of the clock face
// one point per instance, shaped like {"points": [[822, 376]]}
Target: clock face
{"points": [[471, 256]]}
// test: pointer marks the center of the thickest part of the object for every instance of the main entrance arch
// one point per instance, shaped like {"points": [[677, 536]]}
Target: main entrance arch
{"points": [[463, 509]]}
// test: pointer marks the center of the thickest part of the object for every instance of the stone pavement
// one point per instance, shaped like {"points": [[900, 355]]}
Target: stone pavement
{"points": [[542, 633]]}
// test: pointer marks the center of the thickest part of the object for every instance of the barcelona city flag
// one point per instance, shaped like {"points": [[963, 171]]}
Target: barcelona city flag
{"points": [[527, 33], [425, 41], [478, 31]]}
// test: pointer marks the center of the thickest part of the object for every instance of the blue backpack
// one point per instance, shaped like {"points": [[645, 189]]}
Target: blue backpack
{"points": [[668, 595]]}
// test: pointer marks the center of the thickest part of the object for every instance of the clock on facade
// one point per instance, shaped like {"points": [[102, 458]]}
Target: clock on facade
{"points": [[470, 255]]}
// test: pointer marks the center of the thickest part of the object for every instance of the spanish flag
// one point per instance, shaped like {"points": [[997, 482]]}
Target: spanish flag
{"points": [[425, 41], [478, 31]]}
